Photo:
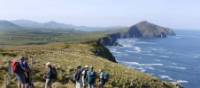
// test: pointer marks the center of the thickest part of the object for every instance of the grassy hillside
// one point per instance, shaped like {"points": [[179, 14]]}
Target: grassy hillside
{"points": [[68, 56], [31, 37]]}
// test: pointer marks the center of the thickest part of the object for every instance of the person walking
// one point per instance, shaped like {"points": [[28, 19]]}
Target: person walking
{"points": [[77, 77], [19, 72], [84, 76], [27, 70], [54, 71], [103, 78], [91, 77], [49, 76]]}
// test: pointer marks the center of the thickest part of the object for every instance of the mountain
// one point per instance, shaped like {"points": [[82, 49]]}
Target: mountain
{"points": [[142, 29], [47, 25], [56, 25], [7, 26], [148, 30], [27, 23]]}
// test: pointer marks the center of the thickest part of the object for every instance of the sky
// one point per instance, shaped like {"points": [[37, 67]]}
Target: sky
{"points": [[179, 14]]}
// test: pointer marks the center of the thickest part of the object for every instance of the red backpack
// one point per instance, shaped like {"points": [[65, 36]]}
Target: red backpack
{"points": [[15, 65]]}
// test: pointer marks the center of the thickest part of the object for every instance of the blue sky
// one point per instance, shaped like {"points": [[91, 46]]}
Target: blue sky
{"points": [[180, 14]]}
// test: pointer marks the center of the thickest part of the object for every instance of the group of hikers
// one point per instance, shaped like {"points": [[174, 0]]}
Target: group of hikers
{"points": [[86, 77], [83, 76]]}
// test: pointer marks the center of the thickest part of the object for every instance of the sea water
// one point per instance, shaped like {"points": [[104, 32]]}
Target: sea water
{"points": [[173, 59]]}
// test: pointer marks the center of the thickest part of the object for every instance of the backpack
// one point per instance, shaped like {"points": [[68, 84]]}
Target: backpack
{"points": [[105, 76], [15, 66], [78, 74], [54, 73], [91, 76]]}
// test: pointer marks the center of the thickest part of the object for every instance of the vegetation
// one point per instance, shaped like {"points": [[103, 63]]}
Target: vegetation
{"points": [[29, 38], [68, 50], [67, 57]]}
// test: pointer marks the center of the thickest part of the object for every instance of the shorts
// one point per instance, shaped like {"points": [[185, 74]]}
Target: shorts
{"points": [[21, 78]]}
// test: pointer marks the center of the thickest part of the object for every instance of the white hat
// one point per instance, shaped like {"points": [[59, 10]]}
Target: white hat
{"points": [[86, 66], [48, 64]]}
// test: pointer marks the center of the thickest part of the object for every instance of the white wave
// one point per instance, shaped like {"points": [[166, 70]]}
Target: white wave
{"points": [[178, 37], [157, 49], [127, 45], [149, 54], [127, 42], [150, 68], [165, 77], [164, 56], [138, 64], [177, 67], [182, 81], [141, 69], [137, 49], [143, 42], [115, 51], [130, 51]]}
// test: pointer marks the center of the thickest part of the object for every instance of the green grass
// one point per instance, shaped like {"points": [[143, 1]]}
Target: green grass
{"points": [[68, 56], [28, 38]]}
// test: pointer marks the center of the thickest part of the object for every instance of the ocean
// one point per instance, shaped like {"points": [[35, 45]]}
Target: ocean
{"points": [[173, 59]]}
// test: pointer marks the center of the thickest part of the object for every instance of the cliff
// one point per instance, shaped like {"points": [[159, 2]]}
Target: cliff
{"points": [[142, 29]]}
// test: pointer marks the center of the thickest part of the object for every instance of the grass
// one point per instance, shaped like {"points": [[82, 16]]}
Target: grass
{"points": [[68, 56], [29, 37]]}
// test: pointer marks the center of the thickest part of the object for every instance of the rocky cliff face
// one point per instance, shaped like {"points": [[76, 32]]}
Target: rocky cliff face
{"points": [[142, 29]]}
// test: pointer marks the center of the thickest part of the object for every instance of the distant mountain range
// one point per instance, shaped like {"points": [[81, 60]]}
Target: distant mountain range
{"points": [[47, 25], [51, 25]]}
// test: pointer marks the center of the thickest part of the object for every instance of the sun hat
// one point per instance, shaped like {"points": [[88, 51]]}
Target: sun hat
{"points": [[86, 66], [48, 64]]}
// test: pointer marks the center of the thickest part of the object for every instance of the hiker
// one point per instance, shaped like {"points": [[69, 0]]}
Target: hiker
{"points": [[91, 77], [49, 76], [19, 72], [27, 71], [103, 78], [84, 76], [77, 77], [54, 71]]}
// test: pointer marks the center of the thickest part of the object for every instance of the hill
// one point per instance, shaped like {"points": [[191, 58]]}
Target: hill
{"points": [[68, 56], [47, 25], [142, 29], [146, 29], [8, 26]]}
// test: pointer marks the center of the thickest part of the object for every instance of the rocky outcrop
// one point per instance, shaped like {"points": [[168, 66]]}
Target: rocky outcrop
{"points": [[100, 50], [142, 29]]}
